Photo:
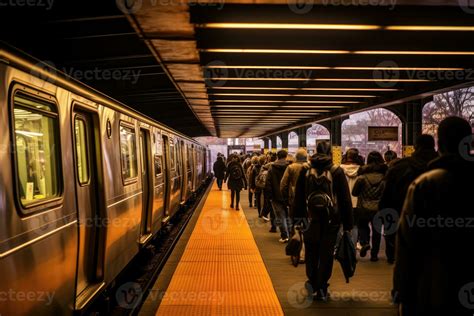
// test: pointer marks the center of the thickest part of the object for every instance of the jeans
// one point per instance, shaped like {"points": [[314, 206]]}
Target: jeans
{"points": [[281, 215], [219, 183], [259, 197], [376, 229], [250, 197], [319, 245], [236, 194]]}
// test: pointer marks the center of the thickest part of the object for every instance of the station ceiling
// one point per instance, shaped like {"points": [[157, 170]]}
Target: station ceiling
{"points": [[247, 68]]}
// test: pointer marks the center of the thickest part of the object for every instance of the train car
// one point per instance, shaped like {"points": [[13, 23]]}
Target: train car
{"points": [[85, 182]]}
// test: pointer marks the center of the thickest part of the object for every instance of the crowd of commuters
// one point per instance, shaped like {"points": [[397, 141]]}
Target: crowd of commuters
{"points": [[382, 195]]}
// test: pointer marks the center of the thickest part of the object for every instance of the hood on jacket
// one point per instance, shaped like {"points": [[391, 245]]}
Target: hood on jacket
{"points": [[280, 164], [351, 171], [321, 162]]}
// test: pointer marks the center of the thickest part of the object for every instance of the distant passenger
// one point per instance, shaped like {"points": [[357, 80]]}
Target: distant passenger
{"points": [[248, 171], [272, 189], [390, 157], [369, 188], [326, 183], [434, 272], [219, 171], [288, 182], [399, 177], [257, 183], [267, 209], [236, 181], [351, 167]]}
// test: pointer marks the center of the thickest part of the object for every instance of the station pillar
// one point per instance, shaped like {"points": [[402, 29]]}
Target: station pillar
{"points": [[302, 136], [410, 113], [266, 145], [273, 139], [284, 140]]}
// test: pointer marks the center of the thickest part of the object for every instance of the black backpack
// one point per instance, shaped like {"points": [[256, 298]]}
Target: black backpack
{"points": [[235, 172], [320, 199]]}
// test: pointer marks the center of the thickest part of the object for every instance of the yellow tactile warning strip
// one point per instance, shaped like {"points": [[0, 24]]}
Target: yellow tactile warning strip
{"points": [[221, 271]]}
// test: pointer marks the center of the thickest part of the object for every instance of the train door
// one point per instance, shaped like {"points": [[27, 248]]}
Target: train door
{"points": [[166, 168], [147, 186], [91, 231]]}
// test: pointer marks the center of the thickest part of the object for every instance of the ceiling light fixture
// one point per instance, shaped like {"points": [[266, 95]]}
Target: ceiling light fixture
{"points": [[322, 51]]}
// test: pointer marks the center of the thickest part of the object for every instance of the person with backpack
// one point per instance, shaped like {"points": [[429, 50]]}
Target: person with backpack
{"points": [[219, 171], [257, 182], [323, 202], [236, 181], [288, 182], [278, 201], [369, 188], [399, 176], [248, 172]]}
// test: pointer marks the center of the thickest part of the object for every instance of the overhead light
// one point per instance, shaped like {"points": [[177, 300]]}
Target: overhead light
{"points": [[285, 26], [285, 101], [355, 27], [321, 51], [293, 95], [281, 106], [333, 68], [260, 110], [317, 79], [307, 89]]}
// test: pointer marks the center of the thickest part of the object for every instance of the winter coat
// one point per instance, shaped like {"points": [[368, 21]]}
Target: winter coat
{"points": [[434, 241], [235, 184], [369, 176], [288, 182], [351, 172], [219, 168], [400, 175], [272, 185], [340, 190]]}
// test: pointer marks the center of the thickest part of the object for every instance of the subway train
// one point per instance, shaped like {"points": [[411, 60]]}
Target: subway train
{"points": [[85, 183]]}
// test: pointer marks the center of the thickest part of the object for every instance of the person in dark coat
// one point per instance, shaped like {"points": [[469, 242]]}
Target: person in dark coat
{"points": [[219, 171], [253, 183], [236, 181], [369, 188], [278, 201], [434, 272], [399, 177], [320, 238]]}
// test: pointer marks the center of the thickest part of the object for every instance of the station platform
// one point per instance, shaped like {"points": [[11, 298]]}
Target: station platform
{"points": [[227, 263]]}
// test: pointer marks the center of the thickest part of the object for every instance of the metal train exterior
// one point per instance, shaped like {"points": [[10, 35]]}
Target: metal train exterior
{"points": [[85, 182]]}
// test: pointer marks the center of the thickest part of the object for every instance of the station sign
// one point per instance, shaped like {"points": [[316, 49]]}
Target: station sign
{"points": [[382, 133]]}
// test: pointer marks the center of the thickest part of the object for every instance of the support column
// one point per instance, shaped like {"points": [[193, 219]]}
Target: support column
{"points": [[266, 145], [273, 139], [302, 136], [336, 140], [284, 140]]}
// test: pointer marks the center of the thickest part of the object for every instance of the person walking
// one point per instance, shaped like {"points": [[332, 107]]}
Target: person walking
{"points": [[236, 181], [257, 184], [219, 171], [267, 209], [433, 270], [397, 180], [369, 188], [278, 201], [288, 182], [323, 182], [248, 172]]}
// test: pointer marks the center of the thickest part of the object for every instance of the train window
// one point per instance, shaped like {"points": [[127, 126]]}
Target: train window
{"points": [[158, 165], [36, 149], [189, 158], [80, 133], [128, 152], [172, 155]]}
